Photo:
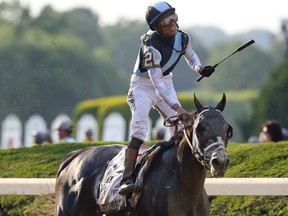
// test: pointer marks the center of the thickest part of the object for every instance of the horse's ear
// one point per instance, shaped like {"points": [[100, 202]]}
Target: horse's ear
{"points": [[197, 104], [221, 105]]}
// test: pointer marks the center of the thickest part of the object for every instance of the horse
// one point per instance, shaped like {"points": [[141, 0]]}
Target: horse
{"points": [[174, 184]]}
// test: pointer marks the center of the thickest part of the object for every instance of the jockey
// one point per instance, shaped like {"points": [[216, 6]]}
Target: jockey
{"points": [[151, 83]]}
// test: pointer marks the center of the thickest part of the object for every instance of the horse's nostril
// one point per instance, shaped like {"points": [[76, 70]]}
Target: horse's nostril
{"points": [[215, 163], [220, 163], [227, 162]]}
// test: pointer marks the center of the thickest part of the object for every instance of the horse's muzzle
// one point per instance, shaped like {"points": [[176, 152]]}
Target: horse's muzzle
{"points": [[219, 162]]}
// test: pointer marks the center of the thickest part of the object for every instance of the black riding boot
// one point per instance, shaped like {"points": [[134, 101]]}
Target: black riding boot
{"points": [[127, 183]]}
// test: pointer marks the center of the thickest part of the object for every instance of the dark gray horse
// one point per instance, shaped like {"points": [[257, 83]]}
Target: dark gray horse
{"points": [[174, 185]]}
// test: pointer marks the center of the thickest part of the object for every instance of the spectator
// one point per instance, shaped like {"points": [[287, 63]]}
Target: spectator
{"points": [[285, 133], [41, 137], [65, 130], [158, 133], [89, 136], [271, 132], [253, 139]]}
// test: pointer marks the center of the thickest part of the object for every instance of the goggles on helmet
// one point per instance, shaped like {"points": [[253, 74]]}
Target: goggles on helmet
{"points": [[166, 21]]}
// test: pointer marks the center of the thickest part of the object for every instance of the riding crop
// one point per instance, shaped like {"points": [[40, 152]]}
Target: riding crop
{"points": [[237, 50]]}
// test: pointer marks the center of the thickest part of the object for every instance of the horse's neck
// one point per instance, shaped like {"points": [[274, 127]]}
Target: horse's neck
{"points": [[193, 172]]}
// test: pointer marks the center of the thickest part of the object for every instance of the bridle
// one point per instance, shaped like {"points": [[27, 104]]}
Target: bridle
{"points": [[199, 155]]}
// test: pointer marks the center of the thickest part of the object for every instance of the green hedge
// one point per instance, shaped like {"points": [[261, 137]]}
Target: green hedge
{"points": [[238, 107]]}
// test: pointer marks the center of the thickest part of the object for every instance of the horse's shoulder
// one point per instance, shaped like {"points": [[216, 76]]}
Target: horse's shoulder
{"points": [[68, 159]]}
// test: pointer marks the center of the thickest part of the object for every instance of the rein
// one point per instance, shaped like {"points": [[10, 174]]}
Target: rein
{"points": [[168, 122], [198, 155]]}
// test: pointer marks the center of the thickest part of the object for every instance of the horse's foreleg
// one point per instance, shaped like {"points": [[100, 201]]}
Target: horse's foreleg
{"points": [[202, 207]]}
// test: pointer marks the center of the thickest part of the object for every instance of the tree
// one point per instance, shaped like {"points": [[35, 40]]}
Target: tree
{"points": [[123, 41], [248, 69], [49, 20], [273, 101], [49, 74], [85, 24]]}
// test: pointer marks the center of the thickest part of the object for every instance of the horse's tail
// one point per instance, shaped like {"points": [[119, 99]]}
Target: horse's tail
{"points": [[68, 160]]}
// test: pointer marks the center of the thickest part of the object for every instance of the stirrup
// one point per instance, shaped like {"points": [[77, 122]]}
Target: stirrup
{"points": [[126, 188]]}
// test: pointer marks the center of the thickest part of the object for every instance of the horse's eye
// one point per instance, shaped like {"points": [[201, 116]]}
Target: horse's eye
{"points": [[229, 131], [201, 128]]}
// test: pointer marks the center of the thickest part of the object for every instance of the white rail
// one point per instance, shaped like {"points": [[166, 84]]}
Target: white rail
{"points": [[247, 186], [214, 187], [27, 186]]}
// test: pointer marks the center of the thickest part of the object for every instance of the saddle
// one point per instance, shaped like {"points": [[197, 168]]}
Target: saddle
{"points": [[109, 201]]}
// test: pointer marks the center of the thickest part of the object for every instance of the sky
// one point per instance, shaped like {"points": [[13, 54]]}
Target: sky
{"points": [[229, 15]]}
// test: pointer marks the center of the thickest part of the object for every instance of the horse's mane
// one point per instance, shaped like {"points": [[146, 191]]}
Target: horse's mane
{"points": [[181, 141]]}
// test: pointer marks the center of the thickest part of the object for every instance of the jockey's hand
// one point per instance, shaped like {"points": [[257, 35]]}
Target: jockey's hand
{"points": [[179, 110], [207, 71]]}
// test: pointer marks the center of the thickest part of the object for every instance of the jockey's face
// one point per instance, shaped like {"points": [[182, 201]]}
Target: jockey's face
{"points": [[167, 26]]}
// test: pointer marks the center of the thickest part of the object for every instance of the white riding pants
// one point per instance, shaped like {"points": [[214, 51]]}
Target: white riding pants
{"points": [[142, 96]]}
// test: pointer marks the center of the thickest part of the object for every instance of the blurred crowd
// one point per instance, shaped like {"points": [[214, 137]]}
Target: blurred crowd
{"points": [[65, 134]]}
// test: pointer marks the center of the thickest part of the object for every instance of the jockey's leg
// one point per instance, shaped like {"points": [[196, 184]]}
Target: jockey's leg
{"points": [[127, 183]]}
